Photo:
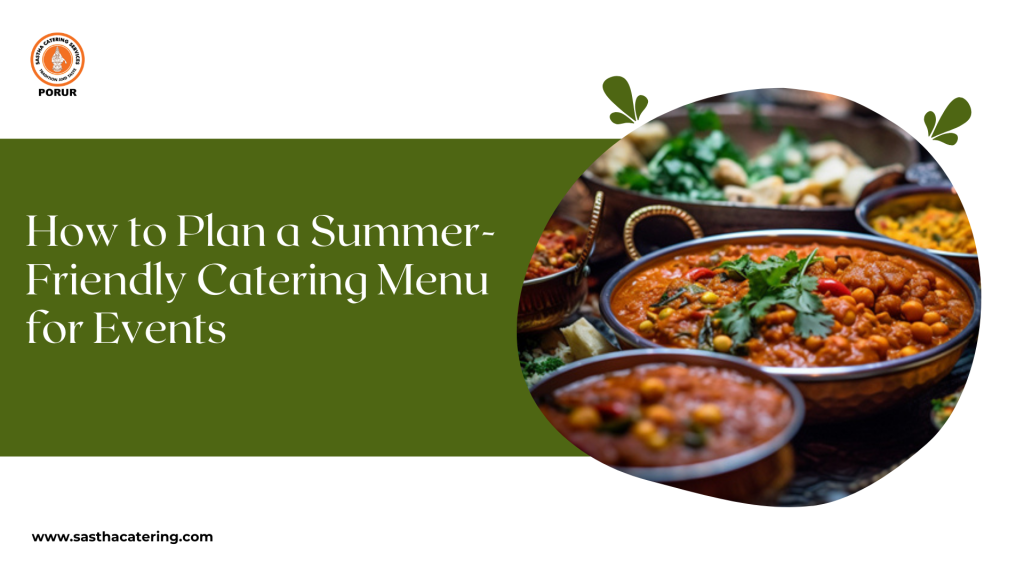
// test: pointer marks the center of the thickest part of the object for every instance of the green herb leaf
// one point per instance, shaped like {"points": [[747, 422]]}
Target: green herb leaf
{"points": [[771, 283]]}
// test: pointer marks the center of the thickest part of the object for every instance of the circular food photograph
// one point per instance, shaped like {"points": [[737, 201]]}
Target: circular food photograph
{"points": [[770, 297]]}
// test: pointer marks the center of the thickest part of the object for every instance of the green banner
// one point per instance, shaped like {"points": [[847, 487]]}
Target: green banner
{"points": [[290, 374]]}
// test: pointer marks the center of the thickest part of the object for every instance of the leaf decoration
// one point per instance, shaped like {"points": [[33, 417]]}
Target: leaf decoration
{"points": [[617, 90], [946, 138], [641, 105], [957, 113], [619, 118], [929, 122]]}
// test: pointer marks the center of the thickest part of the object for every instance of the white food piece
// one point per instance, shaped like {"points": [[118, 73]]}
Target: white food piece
{"points": [[854, 182], [623, 153], [649, 137], [797, 191], [585, 341], [793, 157], [728, 173], [811, 201], [768, 191], [830, 172], [738, 194], [821, 151]]}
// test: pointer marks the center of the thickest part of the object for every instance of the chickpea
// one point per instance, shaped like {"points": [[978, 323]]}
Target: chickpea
{"points": [[921, 331], [881, 343], [848, 299], [849, 318], [943, 295], [707, 414], [569, 257], [865, 296], [830, 265], [884, 318], [912, 310], [644, 428], [839, 342], [908, 351], [931, 318], [646, 327], [584, 417], [709, 297], [939, 329], [814, 343], [722, 343], [660, 414], [941, 284], [784, 316], [665, 313], [656, 441], [652, 389], [870, 316]]}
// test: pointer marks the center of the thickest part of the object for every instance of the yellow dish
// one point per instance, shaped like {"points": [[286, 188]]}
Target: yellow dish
{"points": [[932, 227]]}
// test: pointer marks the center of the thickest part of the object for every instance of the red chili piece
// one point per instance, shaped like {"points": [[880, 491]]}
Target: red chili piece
{"points": [[835, 287], [612, 409], [698, 273]]}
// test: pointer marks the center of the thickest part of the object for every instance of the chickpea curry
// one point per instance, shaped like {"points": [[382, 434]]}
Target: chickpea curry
{"points": [[555, 251], [668, 414], [794, 305]]}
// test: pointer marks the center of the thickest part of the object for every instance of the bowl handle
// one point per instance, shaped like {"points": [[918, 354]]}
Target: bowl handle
{"points": [[595, 224], [656, 210]]}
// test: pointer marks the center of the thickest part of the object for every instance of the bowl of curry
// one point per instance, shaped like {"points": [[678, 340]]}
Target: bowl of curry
{"points": [[932, 218], [556, 277], [858, 323], [703, 422]]}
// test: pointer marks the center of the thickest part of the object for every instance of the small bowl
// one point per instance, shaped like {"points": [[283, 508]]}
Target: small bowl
{"points": [[837, 393], [546, 301], [904, 200], [756, 475]]}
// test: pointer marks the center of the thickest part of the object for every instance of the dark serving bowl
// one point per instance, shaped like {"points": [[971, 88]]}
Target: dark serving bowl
{"points": [[755, 475], [905, 200], [832, 393], [546, 301], [879, 143]]}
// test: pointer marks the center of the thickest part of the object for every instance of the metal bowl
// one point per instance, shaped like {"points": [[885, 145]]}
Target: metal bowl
{"points": [[545, 302], [832, 393], [755, 476], [905, 200], [879, 142]]}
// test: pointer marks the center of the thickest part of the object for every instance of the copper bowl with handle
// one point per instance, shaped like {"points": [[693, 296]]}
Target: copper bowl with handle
{"points": [[547, 301], [904, 200], [831, 393], [756, 475]]}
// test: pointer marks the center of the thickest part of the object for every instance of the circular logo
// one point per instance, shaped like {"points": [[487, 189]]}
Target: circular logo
{"points": [[57, 59]]}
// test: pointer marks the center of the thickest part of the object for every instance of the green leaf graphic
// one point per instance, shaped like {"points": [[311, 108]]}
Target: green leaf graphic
{"points": [[946, 138], [619, 118], [957, 113], [929, 122], [617, 90], [641, 105]]}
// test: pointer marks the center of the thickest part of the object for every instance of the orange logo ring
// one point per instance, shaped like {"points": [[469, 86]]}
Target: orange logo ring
{"points": [[32, 57]]}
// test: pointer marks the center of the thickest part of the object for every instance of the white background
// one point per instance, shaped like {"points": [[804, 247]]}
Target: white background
{"points": [[527, 69]]}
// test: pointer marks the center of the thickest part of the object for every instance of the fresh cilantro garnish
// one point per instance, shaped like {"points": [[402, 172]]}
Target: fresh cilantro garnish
{"points": [[773, 282]]}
